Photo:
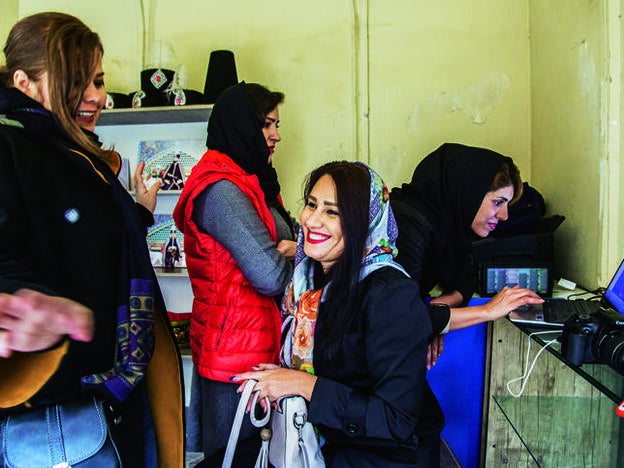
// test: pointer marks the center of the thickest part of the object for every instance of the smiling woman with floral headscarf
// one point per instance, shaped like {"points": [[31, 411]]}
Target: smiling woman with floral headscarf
{"points": [[357, 328]]}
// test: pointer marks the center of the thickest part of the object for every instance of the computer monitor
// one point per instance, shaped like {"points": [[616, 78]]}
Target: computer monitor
{"points": [[536, 277], [615, 290]]}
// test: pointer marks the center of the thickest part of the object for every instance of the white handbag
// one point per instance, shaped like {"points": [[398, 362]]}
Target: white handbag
{"points": [[262, 461], [291, 442], [294, 443]]}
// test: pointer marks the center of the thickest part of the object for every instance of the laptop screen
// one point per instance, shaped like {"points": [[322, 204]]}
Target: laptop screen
{"points": [[535, 278], [615, 291]]}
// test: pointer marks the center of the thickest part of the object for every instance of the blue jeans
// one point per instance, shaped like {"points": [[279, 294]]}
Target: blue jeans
{"points": [[130, 426], [2, 424]]}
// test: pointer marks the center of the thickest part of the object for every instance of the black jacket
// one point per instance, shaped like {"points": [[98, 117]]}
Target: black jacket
{"points": [[422, 246], [60, 233], [373, 403]]}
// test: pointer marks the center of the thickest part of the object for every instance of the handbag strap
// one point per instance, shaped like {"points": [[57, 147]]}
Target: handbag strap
{"points": [[238, 419]]}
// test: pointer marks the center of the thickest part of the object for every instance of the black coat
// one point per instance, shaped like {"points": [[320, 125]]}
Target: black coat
{"points": [[373, 403], [423, 253], [60, 234]]}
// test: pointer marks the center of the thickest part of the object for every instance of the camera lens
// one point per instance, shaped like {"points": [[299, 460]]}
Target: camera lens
{"points": [[611, 350]]}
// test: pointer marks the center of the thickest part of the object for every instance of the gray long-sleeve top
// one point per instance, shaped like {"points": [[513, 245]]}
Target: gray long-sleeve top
{"points": [[226, 214]]}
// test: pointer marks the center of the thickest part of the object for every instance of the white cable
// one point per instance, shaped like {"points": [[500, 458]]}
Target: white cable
{"points": [[526, 374]]}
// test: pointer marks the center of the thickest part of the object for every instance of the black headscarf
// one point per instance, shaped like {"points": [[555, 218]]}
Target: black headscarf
{"points": [[234, 129], [450, 183], [447, 188]]}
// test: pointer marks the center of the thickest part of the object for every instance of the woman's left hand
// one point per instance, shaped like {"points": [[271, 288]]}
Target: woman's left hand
{"points": [[276, 382], [509, 299], [434, 350], [287, 248], [145, 196], [32, 321]]}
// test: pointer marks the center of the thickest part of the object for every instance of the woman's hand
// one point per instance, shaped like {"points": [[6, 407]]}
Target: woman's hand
{"points": [[434, 350], [145, 196], [276, 382], [509, 299], [287, 248], [500, 305], [32, 321]]}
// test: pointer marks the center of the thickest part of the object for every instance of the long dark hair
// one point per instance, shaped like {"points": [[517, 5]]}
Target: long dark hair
{"points": [[352, 182]]}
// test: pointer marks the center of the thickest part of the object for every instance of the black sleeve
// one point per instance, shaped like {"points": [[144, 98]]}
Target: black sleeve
{"points": [[146, 216], [467, 278], [440, 317], [414, 242], [15, 269]]}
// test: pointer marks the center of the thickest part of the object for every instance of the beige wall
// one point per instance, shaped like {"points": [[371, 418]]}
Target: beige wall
{"points": [[8, 16], [388, 81], [576, 130], [367, 80], [447, 71], [616, 143]]}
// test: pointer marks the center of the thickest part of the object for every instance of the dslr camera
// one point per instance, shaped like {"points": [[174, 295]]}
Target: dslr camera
{"points": [[595, 338]]}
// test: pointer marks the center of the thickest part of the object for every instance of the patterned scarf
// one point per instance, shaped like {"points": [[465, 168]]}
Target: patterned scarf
{"points": [[135, 315], [301, 299]]}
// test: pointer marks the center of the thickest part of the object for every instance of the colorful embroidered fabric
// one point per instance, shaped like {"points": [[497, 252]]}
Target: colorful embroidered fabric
{"points": [[135, 314], [301, 299], [135, 343]]}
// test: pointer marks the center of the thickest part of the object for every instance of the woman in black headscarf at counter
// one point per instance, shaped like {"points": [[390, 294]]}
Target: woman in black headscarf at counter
{"points": [[457, 193]]}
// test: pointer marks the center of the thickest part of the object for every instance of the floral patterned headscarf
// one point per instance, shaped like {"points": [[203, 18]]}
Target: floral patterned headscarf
{"points": [[301, 299]]}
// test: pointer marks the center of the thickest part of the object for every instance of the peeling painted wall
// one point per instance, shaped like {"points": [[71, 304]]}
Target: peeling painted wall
{"points": [[381, 82], [476, 101], [388, 83], [448, 72], [571, 93]]}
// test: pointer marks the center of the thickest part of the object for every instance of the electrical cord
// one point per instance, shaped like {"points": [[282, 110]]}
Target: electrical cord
{"points": [[525, 376], [597, 293]]}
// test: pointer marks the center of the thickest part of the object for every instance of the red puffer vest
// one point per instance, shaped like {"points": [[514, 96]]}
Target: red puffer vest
{"points": [[233, 327]]}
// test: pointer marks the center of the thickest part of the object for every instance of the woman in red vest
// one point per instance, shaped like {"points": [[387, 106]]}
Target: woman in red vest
{"points": [[239, 244]]}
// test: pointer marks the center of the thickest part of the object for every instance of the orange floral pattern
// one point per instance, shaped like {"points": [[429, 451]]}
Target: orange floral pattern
{"points": [[305, 322]]}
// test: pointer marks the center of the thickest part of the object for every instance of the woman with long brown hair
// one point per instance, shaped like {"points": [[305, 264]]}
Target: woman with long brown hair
{"points": [[82, 324]]}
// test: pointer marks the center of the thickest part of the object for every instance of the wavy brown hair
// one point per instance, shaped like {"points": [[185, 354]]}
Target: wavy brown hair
{"points": [[508, 174], [65, 49]]}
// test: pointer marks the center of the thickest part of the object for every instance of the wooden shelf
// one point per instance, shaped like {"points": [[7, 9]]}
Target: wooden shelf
{"points": [[161, 192], [565, 414], [177, 271], [156, 115]]}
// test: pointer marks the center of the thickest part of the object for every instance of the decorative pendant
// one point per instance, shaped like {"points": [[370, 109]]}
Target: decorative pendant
{"points": [[158, 79]]}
